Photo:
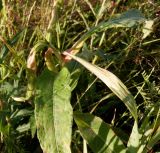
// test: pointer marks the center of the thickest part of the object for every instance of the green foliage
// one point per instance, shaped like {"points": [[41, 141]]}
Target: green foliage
{"points": [[42, 89], [53, 112], [117, 87], [8, 45], [98, 134]]}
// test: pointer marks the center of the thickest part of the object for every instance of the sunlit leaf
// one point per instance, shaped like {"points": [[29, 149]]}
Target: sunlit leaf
{"points": [[50, 61], [31, 61], [117, 87], [53, 112], [98, 134], [147, 29], [133, 142], [145, 130], [23, 128], [156, 130], [155, 138]]}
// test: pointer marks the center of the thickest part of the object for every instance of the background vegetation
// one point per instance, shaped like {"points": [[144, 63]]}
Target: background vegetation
{"points": [[40, 85]]}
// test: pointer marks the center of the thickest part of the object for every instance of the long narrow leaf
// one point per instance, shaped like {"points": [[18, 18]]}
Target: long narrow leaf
{"points": [[127, 19], [155, 138], [53, 112], [117, 87], [98, 134]]}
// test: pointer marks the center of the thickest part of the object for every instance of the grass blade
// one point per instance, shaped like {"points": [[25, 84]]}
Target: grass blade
{"points": [[155, 138], [9, 44]]}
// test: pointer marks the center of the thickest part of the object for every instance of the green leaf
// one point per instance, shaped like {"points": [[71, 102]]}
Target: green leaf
{"points": [[98, 134], [23, 128], [156, 129], [114, 83], [127, 19], [33, 125], [155, 138], [145, 131], [133, 142], [53, 112]]}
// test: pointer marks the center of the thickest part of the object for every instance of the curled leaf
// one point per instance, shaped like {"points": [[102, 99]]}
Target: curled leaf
{"points": [[31, 61], [114, 83], [49, 60]]}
